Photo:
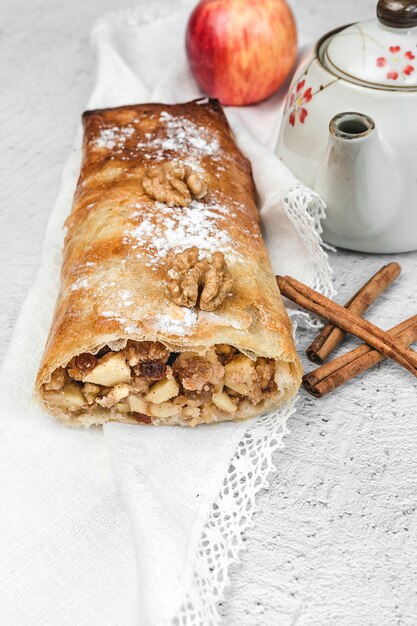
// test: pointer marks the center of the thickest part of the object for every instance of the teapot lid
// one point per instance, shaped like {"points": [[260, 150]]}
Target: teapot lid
{"points": [[380, 53]]}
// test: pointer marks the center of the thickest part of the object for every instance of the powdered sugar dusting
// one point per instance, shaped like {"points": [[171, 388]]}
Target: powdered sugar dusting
{"points": [[80, 283], [113, 315], [181, 228], [185, 135], [112, 301], [180, 324], [221, 320], [126, 297], [111, 137], [132, 329], [172, 135]]}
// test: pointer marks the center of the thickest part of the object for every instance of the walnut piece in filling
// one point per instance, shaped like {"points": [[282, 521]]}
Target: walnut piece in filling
{"points": [[201, 283], [174, 183], [265, 370], [138, 351], [198, 373], [145, 382], [150, 370]]}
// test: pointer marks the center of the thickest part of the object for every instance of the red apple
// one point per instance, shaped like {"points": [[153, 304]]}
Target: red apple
{"points": [[241, 51]]}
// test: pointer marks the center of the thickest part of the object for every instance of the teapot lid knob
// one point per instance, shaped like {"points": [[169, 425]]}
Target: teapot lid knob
{"points": [[397, 13]]}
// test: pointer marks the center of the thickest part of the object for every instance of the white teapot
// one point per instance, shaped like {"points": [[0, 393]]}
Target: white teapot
{"points": [[350, 130]]}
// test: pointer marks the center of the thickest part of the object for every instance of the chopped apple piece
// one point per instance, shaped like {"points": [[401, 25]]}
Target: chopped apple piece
{"points": [[57, 381], [191, 413], [120, 391], [223, 348], [283, 376], [73, 397], [162, 391], [90, 392], [165, 409], [110, 371], [224, 402], [208, 413], [117, 393], [122, 407], [240, 375], [70, 398], [138, 405]]}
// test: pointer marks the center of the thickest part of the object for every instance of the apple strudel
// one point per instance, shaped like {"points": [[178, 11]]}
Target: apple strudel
{"points": [[168, 311]]}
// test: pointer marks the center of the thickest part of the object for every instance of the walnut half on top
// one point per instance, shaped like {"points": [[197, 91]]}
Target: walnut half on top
{"points": [[174, 183], [199, 283]]}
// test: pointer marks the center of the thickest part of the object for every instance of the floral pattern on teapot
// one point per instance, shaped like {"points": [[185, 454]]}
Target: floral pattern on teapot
{"points": [[298, 99], [397, 63], [301, 95]]}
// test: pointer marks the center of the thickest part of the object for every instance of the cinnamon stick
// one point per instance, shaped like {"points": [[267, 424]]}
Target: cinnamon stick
{"points": [[331, 336], [328, 377], [348, 321]]}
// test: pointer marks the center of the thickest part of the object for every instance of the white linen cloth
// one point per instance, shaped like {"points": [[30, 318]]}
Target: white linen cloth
{"points": [[73, 551]]}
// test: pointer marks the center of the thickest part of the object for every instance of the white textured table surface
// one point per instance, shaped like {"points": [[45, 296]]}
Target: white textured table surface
{"points": [[335, 538]]}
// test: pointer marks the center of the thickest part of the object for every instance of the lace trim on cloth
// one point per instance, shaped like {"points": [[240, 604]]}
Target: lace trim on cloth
{"points": [[306, 210], [230, 517]]}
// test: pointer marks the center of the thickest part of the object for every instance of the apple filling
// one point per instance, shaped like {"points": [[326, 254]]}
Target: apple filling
{"points": [[145, 382]]}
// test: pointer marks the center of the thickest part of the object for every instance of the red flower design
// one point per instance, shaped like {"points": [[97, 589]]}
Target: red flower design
{"points": [[298, 99], [396, 64]]}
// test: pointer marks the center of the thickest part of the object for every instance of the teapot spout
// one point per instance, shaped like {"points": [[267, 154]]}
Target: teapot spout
{"points": [[355, 180], [348, 127]]}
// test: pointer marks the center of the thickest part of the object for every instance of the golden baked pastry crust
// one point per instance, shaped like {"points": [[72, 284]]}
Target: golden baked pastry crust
{"points": [[119, 239]]}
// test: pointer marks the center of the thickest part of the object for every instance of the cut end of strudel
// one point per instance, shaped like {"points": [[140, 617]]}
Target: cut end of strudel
{"points": [[168, 311]]}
